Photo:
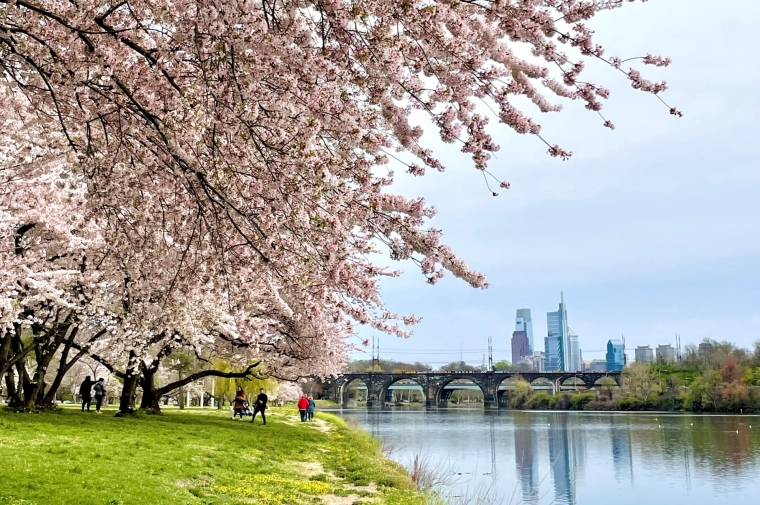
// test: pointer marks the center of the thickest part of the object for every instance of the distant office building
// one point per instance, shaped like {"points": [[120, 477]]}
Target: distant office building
{"points": [[595, 365], [535, 362], [615, 355], [520, 346], [644, 354], [523, 322], [575, 353], [666, 354], [557, 341]]}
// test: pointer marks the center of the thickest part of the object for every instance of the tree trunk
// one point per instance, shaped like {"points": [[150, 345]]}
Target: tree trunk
{"points": [[128, 390], [150, 398], [10, 384], [128, 393], [181, 394]]}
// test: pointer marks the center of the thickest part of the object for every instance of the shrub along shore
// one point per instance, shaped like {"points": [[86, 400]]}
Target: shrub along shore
{"points": [[193, 458]]}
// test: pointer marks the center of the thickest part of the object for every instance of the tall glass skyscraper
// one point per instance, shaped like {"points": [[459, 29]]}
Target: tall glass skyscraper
{"points": [[523, 322], [557, 341], [575, 353], [615, 355]]}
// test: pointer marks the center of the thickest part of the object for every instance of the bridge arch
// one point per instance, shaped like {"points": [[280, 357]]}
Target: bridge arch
{"points": [[576, 381], [346, 387], [541, 381], [444, 394], [385, 394]]}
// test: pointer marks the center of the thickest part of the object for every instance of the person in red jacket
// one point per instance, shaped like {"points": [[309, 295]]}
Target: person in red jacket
{"points": [[303, 405]]}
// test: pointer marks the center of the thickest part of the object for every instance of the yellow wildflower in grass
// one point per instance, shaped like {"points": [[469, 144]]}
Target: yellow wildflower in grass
{"points": [[270, 489]]}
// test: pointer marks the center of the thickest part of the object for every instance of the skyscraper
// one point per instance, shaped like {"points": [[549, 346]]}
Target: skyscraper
{"points": [[615, 355], [665, 354], [557, 341], [523, 322], [575, 353], [519, 347], [644, 354]]}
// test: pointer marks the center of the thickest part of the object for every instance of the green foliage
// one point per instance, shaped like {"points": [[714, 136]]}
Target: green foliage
{"points": [[521, 394], [703, 393], [503, 366], [191, 458], [578, 401], [224, 389], [607, 384], [751, 376], [540, 401], [387, 365]]}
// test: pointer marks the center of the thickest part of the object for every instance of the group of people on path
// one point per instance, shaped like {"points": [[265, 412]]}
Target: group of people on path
{"points": [[85, 393], [240, 407], [306, 407]]}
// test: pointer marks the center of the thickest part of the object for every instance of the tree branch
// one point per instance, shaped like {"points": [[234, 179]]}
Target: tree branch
{"points": [[206, 373]]}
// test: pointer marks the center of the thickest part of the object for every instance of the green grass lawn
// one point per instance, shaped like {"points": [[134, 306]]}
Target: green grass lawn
{"points": [[192, 457]]}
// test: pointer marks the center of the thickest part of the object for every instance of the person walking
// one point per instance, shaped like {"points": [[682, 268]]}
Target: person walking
{"points": [[238, 404], [100, 393], [85, 393], [260, 406], [303, 405], [310, 409]]}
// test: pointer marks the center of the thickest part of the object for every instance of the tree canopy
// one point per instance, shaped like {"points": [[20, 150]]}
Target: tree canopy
{"points": [[214, 176]]}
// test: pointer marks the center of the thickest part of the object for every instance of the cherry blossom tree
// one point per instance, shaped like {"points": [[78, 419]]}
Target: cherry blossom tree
{"points": [[233, 154]]}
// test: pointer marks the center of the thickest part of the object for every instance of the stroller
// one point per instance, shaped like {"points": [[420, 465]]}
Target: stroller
{"points": [[247, 412], [244, 411]]}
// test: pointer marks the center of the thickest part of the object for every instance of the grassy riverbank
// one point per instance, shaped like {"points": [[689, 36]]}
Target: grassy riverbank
{"points": [[193, 458]]}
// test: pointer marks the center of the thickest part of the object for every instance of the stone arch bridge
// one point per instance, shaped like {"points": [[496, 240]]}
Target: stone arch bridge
{"points": [[433, 384]]}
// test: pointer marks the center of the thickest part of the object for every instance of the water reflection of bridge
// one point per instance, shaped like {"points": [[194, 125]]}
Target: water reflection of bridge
{"points": [[437, 387]]}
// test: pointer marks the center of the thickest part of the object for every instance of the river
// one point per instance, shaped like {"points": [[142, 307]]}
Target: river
{"points": [[577, 458]]}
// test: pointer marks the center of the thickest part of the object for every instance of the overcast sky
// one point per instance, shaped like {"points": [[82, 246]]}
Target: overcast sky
{"points": [[650, 230]]}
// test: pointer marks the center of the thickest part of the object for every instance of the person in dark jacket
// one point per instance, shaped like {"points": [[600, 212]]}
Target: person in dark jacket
{"points": [[100, 393], [238, 404], [85, 393], [311, 408], [260, 406], [303, 406]]}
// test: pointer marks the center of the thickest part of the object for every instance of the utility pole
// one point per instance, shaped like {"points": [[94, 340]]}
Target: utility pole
{"points": [[490, 354], [678, 347], [375, 358]]}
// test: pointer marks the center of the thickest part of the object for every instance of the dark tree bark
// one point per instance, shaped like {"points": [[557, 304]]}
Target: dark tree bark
{"points": [[129, 389], [150, 401]]}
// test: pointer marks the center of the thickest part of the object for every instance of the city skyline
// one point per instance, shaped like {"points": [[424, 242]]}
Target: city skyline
{"points": [[576, 355]]}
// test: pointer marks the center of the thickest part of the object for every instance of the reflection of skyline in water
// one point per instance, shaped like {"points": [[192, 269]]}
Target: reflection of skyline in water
{"points": [[622, 452], [567, 454], [526, 459], [546, 458]]}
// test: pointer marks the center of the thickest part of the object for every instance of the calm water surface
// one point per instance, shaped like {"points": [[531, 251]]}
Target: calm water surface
{"points": [[580, 458]]}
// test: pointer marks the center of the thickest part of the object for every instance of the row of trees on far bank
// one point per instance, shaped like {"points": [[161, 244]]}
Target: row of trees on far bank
{"points": [[720, 378]]}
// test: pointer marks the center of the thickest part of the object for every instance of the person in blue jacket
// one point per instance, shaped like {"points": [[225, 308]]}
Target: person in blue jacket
{"points": [[311, 408]]}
